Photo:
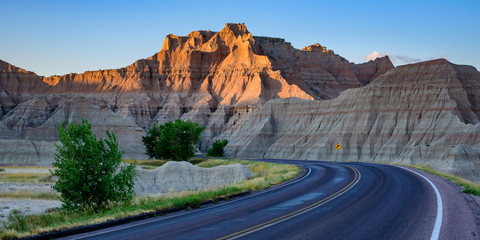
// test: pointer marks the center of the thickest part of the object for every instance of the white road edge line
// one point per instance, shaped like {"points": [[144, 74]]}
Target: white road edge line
{"points": [[438, 220], [202, 209]]}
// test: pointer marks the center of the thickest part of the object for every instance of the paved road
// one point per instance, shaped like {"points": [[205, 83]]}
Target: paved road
{"points": [[329, 201]]}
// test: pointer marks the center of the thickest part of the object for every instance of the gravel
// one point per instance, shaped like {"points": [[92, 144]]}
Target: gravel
{"points": [[25, 187]]}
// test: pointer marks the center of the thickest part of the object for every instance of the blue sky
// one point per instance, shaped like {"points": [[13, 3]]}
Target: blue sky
{"points": [[59, 37]]}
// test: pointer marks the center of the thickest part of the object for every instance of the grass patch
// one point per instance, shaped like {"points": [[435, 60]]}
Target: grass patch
{"points": [[30, 195], [24, 167], [23, 177], [469, 186], [196, 161], [265, 175]]}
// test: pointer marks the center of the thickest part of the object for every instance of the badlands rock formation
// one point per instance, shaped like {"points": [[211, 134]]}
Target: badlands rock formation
{"points": [[425, 113], [213, 78], [183, 176], [263, 95]]}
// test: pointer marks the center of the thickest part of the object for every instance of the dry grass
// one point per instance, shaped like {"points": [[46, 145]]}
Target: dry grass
{"points": [[30, 195], [23, 177], [265, 175]]}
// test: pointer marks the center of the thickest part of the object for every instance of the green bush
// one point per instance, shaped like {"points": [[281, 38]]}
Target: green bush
{"points": [[90, 177], [172, 140], [2, 169], [217, 149]]}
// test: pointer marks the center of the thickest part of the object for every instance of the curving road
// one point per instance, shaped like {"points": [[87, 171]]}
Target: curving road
{"points": [[328, 201]]}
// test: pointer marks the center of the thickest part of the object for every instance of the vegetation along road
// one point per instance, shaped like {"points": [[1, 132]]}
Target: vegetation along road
{"points": [[327, 201]]}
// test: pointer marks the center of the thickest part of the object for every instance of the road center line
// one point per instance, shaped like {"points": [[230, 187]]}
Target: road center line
{"points": [[438, 220], [298, 212]]}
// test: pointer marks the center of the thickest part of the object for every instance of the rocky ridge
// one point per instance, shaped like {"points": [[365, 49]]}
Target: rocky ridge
{"points": [[268, 98]]}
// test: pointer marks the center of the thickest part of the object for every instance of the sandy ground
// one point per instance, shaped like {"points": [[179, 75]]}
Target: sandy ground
{"points": [[25, 205]]}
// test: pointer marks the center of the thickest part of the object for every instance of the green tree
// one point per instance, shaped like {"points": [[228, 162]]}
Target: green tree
{"points": [[150, 140], [90, 174], [172, 140], [217, 149]]}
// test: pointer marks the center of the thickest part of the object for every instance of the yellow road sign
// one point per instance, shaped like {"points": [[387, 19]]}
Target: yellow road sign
{"points": [[338, 146]]}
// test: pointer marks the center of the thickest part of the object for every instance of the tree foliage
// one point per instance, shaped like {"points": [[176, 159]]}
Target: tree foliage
{"points": [[172, 140], [90, 174], [150, 140], [217, 149]]}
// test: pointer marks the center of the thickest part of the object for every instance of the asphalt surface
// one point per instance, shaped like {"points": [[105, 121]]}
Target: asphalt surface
{"points": [[329, 201]]}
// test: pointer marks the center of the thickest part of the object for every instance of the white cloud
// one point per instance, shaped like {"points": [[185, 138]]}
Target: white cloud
{"points": [[374, 55], [403, 59], [398, 59]]}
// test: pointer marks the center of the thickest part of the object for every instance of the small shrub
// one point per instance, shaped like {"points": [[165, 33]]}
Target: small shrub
{"points": [[89, 174], [217, 149], [16, 221], [2, 169]]}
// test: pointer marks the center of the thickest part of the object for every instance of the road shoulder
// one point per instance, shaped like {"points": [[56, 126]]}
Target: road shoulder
{"points": [[458, 207]]}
